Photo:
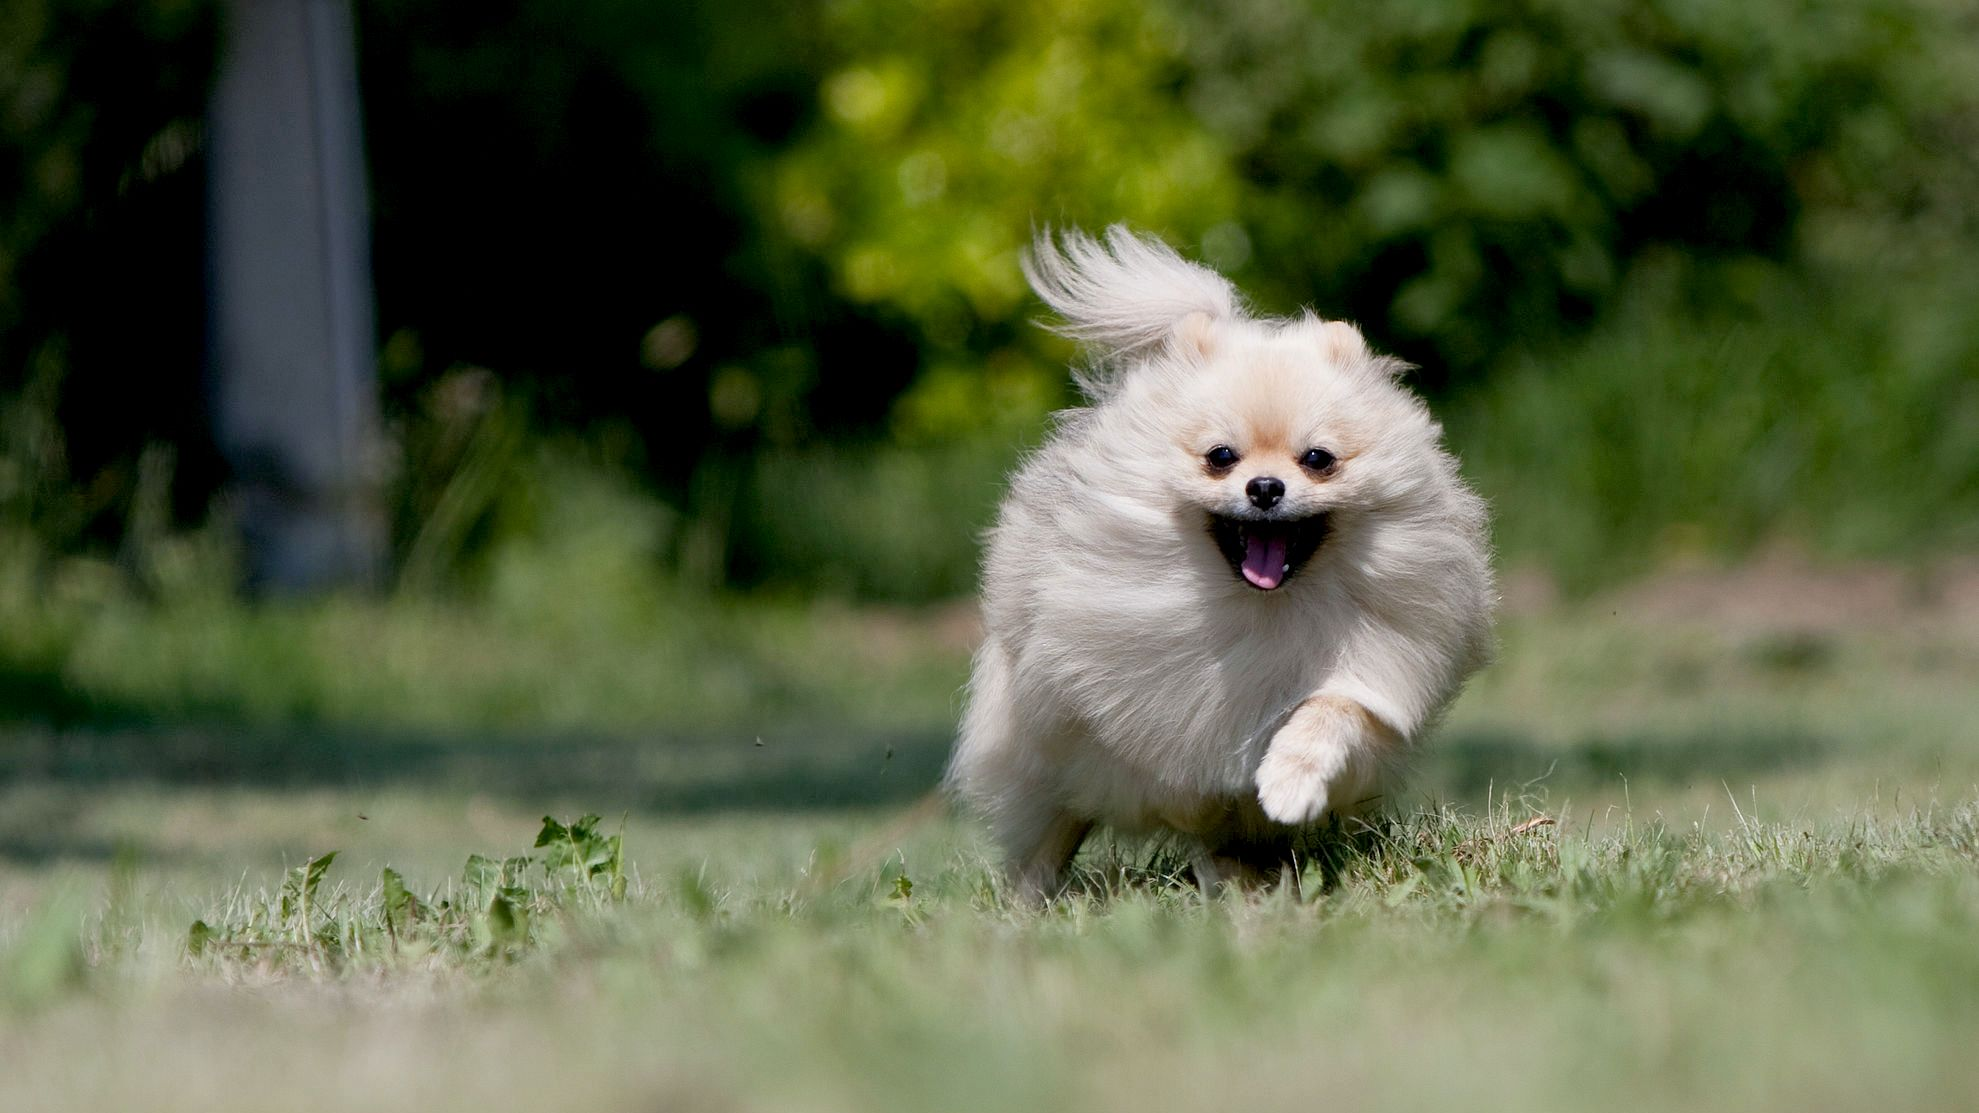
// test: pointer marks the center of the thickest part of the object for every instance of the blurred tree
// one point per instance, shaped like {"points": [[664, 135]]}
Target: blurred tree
{"points": [[1461, 176], [764, 256], [928, 170], [1467, 176]]}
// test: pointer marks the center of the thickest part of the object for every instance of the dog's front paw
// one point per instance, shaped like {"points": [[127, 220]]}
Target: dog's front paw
{"points": [[1327, 757], [1292, 784]]}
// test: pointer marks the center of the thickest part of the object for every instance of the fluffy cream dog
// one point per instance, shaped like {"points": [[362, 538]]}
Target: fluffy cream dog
{"points": [[1225, 597]]}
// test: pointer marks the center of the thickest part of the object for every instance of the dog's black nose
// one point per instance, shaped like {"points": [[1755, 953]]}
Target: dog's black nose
{"points": [[1265, 491]]}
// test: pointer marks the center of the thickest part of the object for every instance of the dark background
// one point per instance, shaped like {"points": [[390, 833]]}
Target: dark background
{"points": [[1681, 280]]}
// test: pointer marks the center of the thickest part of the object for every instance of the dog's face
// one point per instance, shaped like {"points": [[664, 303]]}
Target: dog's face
{"points": [[1274, 430]]}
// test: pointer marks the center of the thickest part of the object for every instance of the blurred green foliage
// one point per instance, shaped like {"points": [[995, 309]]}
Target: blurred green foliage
{"points": [[1682, 276], [1461, 177], [1467, 177], [1709, 415]]}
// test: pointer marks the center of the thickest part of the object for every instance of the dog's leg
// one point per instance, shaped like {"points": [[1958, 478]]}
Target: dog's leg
{"points": [[1218, 872], [1001, 769], [1037, 850], [1037, 836], [1243, 866], [1329, 756]]}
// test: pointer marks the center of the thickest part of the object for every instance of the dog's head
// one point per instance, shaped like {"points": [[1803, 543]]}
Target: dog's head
{"points": [[1266, 436]]}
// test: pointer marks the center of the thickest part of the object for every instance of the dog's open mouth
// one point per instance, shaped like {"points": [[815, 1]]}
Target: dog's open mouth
{"points": [[1265, 552]]}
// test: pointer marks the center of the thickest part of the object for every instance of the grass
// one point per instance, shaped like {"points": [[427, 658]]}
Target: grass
{"points": [[1446, 958], [1759, 888]]}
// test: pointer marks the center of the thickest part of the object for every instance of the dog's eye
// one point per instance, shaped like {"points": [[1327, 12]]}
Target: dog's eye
{"points": [[1220, 457], [1317, 459]]}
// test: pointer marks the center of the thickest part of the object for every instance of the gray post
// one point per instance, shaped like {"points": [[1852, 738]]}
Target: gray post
{"points": [[295, 403]]}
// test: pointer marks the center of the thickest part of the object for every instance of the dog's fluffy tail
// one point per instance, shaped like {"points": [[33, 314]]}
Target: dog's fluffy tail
{"points": [[1124, 295]]}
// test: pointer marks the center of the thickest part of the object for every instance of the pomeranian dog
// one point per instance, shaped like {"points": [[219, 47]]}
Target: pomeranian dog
{"points": [[1229, 594]]}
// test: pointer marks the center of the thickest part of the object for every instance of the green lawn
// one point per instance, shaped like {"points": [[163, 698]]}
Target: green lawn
{"points": [[1760, 889]]}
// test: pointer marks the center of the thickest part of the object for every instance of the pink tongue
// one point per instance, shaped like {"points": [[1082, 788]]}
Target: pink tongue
{"points": [[1264, 560]]}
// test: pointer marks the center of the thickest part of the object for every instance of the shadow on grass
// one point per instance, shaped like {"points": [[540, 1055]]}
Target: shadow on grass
{"points": [[39, 694], [51, 732], [788, 770], [1465, 764]]}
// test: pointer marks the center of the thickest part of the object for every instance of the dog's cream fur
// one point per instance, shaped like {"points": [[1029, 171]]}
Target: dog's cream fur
{"points": [[1130, 676]]}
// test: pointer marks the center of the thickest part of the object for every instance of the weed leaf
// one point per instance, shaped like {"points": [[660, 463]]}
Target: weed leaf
{"points": [[401, 907], [299, 887]]}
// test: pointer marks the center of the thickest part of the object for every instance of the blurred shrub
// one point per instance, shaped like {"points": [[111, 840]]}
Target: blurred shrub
{"points": [[879, 522], [927, 169], [1461, 176], [1711, 414]]}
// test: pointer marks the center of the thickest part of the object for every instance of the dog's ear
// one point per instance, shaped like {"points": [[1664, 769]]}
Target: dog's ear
{"points": [[1128, 295], [1194, 336], [1338, 341]]}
